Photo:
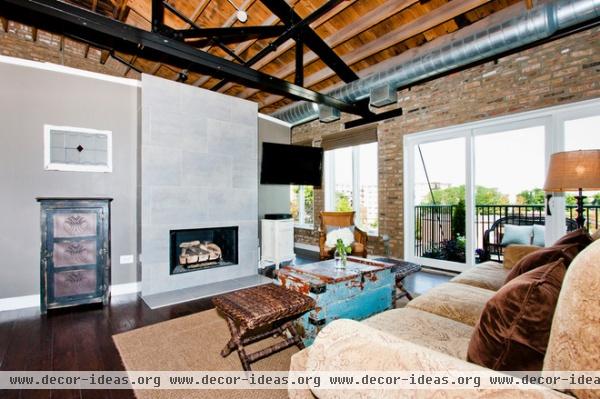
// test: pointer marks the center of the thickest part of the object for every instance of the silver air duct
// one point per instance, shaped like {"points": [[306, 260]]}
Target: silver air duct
{"points": [[505, 34]]}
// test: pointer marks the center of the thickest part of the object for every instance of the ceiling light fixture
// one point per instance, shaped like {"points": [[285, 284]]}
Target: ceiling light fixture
{"points": [[241, 15]]}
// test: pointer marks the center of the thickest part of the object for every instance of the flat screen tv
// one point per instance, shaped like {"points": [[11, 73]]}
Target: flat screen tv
{"points": [[291, 164]]}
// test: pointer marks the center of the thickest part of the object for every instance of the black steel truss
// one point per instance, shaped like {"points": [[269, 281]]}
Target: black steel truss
{"points": [[292, 32], [64, 18], [311, 39]]}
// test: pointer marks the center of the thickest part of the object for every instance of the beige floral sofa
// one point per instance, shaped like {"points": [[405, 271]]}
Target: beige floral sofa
{"points": [[432, 333]]}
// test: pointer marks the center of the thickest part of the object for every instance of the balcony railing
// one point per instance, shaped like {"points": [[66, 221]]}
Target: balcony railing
{"points": [[434, 223]]}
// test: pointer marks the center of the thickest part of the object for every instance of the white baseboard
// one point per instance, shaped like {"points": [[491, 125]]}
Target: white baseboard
{"points": [[19, 302], [33, 301], [306, 247], [124, 289]]}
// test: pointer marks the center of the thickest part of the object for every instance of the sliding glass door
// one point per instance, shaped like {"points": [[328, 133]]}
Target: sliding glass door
{"points": [[439, 201], [462, 182], [509, 169], [581, 131]]}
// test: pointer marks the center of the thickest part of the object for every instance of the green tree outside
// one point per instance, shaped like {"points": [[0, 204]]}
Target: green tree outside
{"points": [[342, 202], [453, 195]]}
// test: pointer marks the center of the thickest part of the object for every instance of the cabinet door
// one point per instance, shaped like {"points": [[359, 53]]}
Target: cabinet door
{"points": [[285, 239], [75, 256]]}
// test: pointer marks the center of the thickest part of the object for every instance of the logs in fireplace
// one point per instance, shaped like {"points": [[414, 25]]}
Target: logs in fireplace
{"points": [[200, 249]]}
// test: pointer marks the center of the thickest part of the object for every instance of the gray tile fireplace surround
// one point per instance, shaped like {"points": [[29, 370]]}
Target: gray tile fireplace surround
{"points": [[199, 168]]}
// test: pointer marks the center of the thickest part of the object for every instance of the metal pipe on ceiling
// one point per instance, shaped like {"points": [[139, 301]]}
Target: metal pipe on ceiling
{"points": [[512, 32]]}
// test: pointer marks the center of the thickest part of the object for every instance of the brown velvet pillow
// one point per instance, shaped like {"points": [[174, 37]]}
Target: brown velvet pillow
{"points": [[541, 257], [514, 328], [580, 237]]}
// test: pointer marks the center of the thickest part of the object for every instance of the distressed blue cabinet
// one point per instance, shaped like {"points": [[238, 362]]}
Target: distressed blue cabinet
{"points": [[361, 290], [75, 251]]}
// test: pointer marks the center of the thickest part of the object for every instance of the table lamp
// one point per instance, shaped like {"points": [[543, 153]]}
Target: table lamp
{"points": [[574, 171]]}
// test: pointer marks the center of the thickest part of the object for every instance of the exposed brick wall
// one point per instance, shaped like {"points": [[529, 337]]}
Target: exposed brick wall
{"points": [[563, 71], [18, 42]]}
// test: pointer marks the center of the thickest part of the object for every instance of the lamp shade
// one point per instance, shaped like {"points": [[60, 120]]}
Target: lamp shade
{"points": [[572, 170]]}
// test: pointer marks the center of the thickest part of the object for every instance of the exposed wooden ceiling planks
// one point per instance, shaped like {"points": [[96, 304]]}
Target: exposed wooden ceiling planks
{"points": [[360, 25], [430, 20], [363, 33]]}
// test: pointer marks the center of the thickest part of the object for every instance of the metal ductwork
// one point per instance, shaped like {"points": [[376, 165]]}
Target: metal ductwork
{"points": [[431, 59]]}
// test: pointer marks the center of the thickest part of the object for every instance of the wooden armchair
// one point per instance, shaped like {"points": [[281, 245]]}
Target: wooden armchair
{"points": [[340, 219]]}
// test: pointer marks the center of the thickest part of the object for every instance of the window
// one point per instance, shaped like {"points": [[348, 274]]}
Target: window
{"points": [[351, 184], [77, 149], [461, 180], [302, 200]]}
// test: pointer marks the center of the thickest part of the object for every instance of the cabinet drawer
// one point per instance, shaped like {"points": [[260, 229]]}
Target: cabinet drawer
{"points": [[74, 283]]}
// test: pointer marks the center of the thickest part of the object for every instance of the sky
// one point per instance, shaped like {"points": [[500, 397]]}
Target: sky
{"points": [[368, 165], [511, 161]]}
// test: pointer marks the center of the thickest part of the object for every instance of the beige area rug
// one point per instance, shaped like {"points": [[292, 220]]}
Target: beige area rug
{"points": [[194, 343]]}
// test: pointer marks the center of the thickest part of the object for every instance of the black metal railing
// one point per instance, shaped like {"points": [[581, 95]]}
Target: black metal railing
{"points": [[434, 223]]}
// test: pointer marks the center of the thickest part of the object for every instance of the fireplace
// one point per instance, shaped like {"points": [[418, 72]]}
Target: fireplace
{"points": [[201, 249]]}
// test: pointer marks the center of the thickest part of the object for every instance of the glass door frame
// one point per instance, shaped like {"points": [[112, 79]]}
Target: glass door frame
{"points": [[552, 118]]}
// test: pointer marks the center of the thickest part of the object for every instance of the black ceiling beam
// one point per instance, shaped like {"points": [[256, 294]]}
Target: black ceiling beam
{"points": [[374, 118], [293, 31], [193, 24], [312, 40], [158, 15], [247, 32], [299, 56], [68, 19]]}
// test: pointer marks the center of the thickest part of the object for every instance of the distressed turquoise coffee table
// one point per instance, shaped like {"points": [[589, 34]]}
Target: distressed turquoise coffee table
{"points": [[361, 290]]}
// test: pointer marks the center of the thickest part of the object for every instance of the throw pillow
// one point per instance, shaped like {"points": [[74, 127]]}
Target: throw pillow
{"points": [[514, 234], [539, 232], [514, 327], [543, 256], [580, 237], [329, 229], [514, 253]]}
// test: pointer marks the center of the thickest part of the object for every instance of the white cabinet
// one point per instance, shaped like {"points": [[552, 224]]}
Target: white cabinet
{"points": [[277, 243]]}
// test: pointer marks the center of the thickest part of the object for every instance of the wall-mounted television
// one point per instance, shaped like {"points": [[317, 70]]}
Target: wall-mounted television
{"points": [[291, 164]]}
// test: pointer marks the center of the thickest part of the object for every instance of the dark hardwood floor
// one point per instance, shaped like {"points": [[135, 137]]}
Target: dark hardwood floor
{"points": [[74, 339], [77, 339]]}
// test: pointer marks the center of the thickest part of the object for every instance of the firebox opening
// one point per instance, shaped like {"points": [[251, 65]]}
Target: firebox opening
{"points": [[201, 249]]}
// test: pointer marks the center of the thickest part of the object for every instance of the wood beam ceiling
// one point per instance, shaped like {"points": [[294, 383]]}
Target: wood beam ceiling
{"points": [[229, 22], [312, 40], [360, 25], [89, 26], [404, 32]]}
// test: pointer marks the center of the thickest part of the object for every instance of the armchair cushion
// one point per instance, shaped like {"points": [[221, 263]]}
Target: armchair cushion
{"points": [[539, 235], [345, 233], [542, 257], [515, 234], [513, 331], [514, 253]]}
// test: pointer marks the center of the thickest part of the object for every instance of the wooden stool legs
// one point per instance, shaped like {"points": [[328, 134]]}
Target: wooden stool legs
{"points": [[403, 293], [236, 342]]}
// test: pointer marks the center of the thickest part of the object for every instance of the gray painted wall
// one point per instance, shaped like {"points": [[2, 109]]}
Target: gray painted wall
{"points": [[29, 99], [199, 168], [272, 198]]}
